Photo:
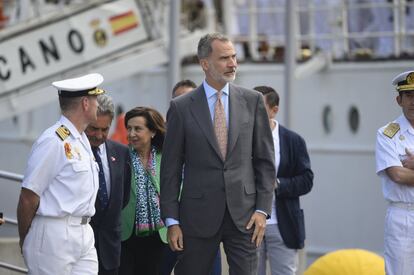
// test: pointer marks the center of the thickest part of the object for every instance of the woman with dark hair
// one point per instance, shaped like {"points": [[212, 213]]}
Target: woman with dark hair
{"points": [[143, 231]]}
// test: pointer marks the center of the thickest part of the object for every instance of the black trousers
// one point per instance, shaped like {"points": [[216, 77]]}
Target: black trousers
{"points": [[141, 255], [198, 255]]}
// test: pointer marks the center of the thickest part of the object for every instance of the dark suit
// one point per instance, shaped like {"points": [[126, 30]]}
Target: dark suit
{"points": [[296, 179], [106, 223], [216, 193]]}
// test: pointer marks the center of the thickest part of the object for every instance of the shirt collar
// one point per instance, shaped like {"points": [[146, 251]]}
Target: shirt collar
{"points": [[210, 91], [65, 121], [276, 129], [405, 125], [101, 148]]}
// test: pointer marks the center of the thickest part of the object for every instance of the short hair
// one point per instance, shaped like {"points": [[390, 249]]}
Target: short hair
{"points": [[106, 106], [270, 94], [154, 121], [183, 83], [204, 48], [69, 103]]}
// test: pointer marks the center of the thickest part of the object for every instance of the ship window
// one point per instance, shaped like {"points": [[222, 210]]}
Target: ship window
{"points": [[327, 119], [353, 117]]}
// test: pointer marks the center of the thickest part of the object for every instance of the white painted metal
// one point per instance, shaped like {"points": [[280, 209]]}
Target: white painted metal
{"points": [[290, 55], [27, 93], [68, 42], [174, 49]]}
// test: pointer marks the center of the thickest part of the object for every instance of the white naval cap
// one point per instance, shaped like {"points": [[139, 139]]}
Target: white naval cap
{"points": [[80, 86], [404, 82]]}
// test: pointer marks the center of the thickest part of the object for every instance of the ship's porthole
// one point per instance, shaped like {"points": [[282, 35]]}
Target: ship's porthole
{"points": [[353, 117], [327, 119]]}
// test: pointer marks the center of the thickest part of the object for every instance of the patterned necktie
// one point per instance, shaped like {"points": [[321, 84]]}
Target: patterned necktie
{"points": [[220, 127], [102, 192]]}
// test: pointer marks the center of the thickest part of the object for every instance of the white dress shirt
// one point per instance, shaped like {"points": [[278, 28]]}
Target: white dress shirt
{"points": [[212, 98], [105, 165], [276, 143]]}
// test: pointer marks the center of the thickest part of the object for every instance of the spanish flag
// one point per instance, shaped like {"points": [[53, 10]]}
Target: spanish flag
{"points": [[123, 22]]}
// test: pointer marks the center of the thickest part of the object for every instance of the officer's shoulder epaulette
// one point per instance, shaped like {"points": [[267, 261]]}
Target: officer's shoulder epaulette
{"points": [[62, 132], [391, 129]]}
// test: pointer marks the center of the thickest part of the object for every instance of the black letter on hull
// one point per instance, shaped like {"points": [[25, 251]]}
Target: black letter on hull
{"points": [[49, 50], [25, 60], [5, 76], [75, 41]]}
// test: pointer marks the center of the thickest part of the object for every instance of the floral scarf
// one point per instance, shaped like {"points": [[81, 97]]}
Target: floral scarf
{"points": [[147, 215]]}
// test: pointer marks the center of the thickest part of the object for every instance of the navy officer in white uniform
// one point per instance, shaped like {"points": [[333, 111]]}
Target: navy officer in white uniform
{"points": [[395, 166], [60, 185]]}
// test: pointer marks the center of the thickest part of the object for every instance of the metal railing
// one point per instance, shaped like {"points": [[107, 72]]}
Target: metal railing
{"points": [[11, 176], [18, 178], [13, 268], [340, 32]]}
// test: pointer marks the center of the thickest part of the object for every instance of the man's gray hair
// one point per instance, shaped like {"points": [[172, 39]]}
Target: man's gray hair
{"points": [[204, 48], [106, 106]]}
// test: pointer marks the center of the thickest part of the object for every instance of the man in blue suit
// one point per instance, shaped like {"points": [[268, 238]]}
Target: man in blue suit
{"points": [[285, 230]]}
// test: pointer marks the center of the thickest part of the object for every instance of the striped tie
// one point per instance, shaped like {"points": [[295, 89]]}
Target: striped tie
{"points": [[220, 127]]}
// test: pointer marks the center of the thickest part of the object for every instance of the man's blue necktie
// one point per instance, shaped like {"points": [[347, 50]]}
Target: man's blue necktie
{"points": [[102, 192]]}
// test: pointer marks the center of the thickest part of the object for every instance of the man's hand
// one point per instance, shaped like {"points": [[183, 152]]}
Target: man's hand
{"points": [[175, 238], [21, 241], [408, 162], [26, 210], [259, 221]]}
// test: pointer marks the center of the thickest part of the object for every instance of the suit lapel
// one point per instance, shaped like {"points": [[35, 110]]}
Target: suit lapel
{"points": [[110, 155], [282, 146], [236, 106], [199, 109]]}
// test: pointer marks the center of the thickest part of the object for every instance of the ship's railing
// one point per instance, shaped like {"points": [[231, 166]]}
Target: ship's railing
{"points": [[18, 178], [13, 268], [13, 177], [340, 30], [155, 13]]}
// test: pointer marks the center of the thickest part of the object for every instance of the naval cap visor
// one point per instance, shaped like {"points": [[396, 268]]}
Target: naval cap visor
{"points": [[404, 82], [80, 86]]}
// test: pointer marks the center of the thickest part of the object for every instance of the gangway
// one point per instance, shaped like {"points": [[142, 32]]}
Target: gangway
{"points": [[116, 38]]}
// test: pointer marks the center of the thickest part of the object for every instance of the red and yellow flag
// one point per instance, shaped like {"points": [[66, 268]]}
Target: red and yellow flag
{"points": [[123, 22]]}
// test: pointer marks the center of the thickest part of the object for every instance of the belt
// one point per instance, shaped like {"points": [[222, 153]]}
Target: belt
{"points": [[403, 205], [79, 220]]}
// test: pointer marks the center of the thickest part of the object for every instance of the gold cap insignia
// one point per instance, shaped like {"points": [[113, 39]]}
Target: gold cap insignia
{"points": [[391, 129], [96, 91], [406, 84], [410, 78], [62, 132]]}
